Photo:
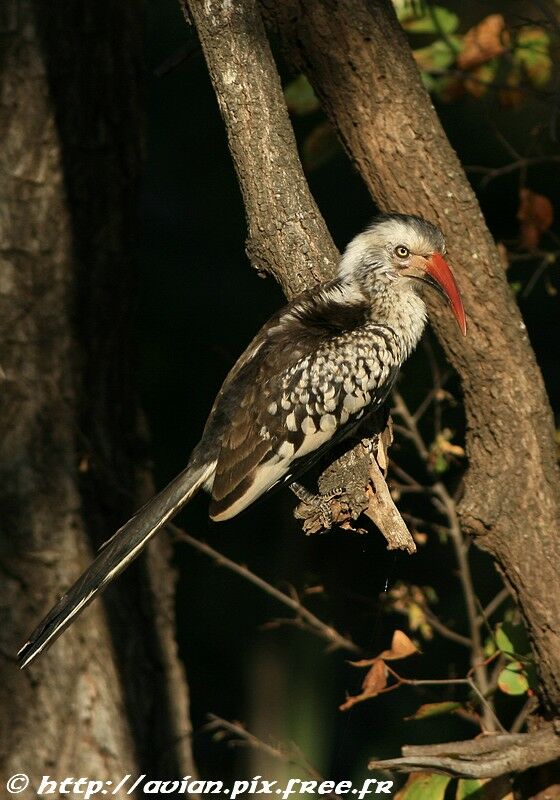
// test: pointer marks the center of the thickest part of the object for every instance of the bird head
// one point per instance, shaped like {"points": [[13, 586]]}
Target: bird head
{"points": [[407, 252]]}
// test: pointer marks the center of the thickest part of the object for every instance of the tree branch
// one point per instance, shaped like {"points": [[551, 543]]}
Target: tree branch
{"points": [[485, 757], [360, 65], [287, 237], [311, 622], [448, 507], [289, 754]]}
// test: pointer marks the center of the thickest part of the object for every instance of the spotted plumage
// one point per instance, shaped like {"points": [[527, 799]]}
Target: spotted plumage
{"points": [[306, 380], [299, 399]]}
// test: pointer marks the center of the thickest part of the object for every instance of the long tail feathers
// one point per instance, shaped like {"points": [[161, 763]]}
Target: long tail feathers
{"points": [[114, 557]]}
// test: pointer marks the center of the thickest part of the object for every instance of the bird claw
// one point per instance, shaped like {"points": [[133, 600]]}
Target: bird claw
{"points": [[320, 505]]}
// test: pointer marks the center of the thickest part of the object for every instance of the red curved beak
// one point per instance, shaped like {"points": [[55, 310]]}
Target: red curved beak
{"points": [[438, 269]]}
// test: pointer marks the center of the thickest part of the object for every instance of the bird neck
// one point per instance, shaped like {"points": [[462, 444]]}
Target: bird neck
{"points": [[396, 305]]}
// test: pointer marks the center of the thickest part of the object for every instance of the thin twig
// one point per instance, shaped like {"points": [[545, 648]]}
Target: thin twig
{"points": [[491, 173], [448, 507], [289, 754], [420, 523], [493, 605], [533, 280], [465, 576], [430, 397], [526, 710], [312, 623], [500, 662], [442, 629], [437, 384], [411, 482], [468, 681]]}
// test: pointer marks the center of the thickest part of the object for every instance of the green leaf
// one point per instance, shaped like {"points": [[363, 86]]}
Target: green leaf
{"points": [[481, 78], [515, 286], [436, 56], [409, 8], [424, 786], [433, 19], [430, 83], [300, 97], [320, 146], [532, 52], [469, 789], [435, 709], [511, 639], [513, 679]]}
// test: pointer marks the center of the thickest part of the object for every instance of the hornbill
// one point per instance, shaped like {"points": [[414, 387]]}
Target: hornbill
{"points": [[306, 380]]}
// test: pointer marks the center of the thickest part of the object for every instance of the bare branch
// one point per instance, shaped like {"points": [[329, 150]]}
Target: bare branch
{"points": [[485, 757], [528, 708], [449, 508], [287, 237], [443, 630], [306, 618], [383, 512], [491, 173], [468, 681], [503, 595], [356, 56], [288, 753]]}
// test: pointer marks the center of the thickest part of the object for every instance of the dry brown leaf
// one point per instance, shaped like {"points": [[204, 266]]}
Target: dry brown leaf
{"points": [[376, 679], [352, 701], [374, 683], [401, 647], [445, 446], [511, 97], [478, 80], [535, 215], [483, 42], [364, 662]]}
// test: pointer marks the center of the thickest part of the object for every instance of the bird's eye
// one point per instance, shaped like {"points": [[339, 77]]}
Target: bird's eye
{"points": [[402, 252]]}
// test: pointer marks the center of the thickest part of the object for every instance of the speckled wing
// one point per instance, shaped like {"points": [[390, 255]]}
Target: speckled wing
{"points": [[306, 380]]}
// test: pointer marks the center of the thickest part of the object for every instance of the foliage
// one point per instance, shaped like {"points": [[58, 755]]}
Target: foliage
{"points": [[431, 786], [465, 67], [509, 61], [376, 678], [488, 56]]}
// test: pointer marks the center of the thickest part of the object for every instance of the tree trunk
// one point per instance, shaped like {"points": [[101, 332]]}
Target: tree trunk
{"points": [[287, 236], [71, 132], [360, 64]]}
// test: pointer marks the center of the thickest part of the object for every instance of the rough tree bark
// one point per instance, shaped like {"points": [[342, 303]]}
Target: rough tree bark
{"points": [[287, 237], [360, 64], [357, 57], [71, 133], [486, 757]]}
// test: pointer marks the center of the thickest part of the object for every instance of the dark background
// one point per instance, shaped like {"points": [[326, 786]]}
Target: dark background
{"points": [[199, 303]]}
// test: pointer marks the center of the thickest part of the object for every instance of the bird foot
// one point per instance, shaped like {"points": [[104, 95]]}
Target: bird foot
{"points": [[315, 509]]}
